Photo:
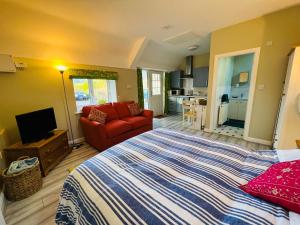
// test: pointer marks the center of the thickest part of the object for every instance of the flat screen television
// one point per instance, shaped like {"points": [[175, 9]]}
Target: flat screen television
{"points": [[36, 125]]}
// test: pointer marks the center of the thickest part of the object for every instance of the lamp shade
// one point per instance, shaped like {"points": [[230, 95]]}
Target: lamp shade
{"points": [[61, 68]]}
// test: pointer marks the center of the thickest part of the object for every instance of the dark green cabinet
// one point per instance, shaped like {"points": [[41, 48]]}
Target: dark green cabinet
{"points": [[200, 77], [172, 104], [176, 81], [175, 104]]}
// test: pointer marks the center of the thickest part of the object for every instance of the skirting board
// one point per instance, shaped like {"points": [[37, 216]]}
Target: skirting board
{"points": [[77, 140], [259, 141], [207, 130]]}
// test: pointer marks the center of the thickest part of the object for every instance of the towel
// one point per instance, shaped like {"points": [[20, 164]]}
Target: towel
{"points": [[20, 165]]}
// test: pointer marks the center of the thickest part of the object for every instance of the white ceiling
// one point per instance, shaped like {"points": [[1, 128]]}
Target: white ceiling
{"points": [[105, 32]]}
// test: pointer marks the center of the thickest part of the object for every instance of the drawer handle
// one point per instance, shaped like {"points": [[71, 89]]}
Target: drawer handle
{"points": [[49, 160]]}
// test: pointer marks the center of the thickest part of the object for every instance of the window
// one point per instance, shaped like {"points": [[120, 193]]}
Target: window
{"points": [[94, 92], [156, 84]]}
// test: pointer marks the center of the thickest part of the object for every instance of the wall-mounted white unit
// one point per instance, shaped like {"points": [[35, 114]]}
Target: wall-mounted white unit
{"points": [[7, 64], [223, 113]]}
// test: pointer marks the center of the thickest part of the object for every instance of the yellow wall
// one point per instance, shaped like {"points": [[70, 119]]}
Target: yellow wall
{"points": [[198, 61], [282, 28], [40, 86]]}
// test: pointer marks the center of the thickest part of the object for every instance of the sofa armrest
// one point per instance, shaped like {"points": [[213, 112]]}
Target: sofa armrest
{"points": [[94, 132], [148, 113]]}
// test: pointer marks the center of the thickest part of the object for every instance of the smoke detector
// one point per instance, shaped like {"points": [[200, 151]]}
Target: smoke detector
{"points": [[166, 27], [193, 47]]}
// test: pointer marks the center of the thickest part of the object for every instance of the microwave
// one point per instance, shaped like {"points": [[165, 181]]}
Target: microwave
{"points": [[174, 92]]}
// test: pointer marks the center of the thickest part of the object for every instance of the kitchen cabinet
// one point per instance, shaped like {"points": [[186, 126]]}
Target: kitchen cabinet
{"points": [[233, 109], [176, 81], [200, 77], [237, 109], [172, 105], [242, 108], [175, 104]]}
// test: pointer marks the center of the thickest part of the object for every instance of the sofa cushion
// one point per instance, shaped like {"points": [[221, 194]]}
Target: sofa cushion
{"points": [[97, 115], [106, 108], [122, 109], [116, 127], [134, 109], [137, 121]]}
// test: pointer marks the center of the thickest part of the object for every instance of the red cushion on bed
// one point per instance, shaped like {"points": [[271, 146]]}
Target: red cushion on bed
{"points": [[280, 184]]}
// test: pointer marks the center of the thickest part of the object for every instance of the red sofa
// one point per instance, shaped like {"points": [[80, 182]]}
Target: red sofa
{"points": [[119, 126]]}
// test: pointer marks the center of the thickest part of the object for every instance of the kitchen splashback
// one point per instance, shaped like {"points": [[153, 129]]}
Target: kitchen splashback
{"points": [[240, 91]]}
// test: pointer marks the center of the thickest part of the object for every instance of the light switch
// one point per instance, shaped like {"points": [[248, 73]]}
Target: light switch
{"points": [[128, 86], [261, 87]]}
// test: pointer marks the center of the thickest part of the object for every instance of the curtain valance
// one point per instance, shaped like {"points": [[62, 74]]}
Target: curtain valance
{"points": [[92, 74]]}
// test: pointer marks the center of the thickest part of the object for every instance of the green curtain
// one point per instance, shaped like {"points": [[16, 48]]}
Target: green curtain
{"points": [[140, 87], [167, 88], [92, 74]]}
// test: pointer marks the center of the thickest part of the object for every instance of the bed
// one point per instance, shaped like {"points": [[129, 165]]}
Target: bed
{"points": [[167, 177]]}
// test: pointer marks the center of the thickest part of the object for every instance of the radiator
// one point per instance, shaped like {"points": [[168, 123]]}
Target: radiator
{"points": [[223, 113]]}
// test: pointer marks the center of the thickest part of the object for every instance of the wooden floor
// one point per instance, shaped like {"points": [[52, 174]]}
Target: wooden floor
{"points": [[174, 122], [40, 208]]}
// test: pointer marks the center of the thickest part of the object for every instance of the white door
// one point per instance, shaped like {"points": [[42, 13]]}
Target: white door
{"points": [[282, 109], [156, 92]]}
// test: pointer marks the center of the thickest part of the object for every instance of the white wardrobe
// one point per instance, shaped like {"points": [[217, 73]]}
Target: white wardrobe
{"points": [[288, 122]]}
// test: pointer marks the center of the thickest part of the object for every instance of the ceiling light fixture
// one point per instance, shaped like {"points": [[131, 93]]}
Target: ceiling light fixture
{"points": [[193, 47]]}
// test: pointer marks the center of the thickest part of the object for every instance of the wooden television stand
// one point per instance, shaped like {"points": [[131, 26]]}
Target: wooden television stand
{"points": [[50, 151]]}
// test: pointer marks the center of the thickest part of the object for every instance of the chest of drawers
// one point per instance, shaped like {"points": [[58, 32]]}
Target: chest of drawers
{"points": [[50, 151]]}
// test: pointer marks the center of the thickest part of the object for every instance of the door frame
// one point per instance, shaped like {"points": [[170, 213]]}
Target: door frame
{"points": [[213, 118]]}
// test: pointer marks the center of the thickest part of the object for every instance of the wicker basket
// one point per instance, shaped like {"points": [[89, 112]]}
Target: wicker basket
{"points": [[21, 185]]}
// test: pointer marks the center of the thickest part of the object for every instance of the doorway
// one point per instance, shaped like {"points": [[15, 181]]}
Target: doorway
{"points": [[233, 92], [153, 91]]}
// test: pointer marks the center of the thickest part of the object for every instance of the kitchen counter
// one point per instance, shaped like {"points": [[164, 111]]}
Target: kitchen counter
{"points": [[188, 96], [238, 99], [175, 102]]}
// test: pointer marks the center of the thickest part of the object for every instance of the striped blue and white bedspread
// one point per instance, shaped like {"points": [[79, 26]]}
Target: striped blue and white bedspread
{"points": [[166, 177]]}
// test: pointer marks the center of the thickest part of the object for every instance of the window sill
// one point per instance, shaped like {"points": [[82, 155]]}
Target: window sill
{"points": [[78, 113]]}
